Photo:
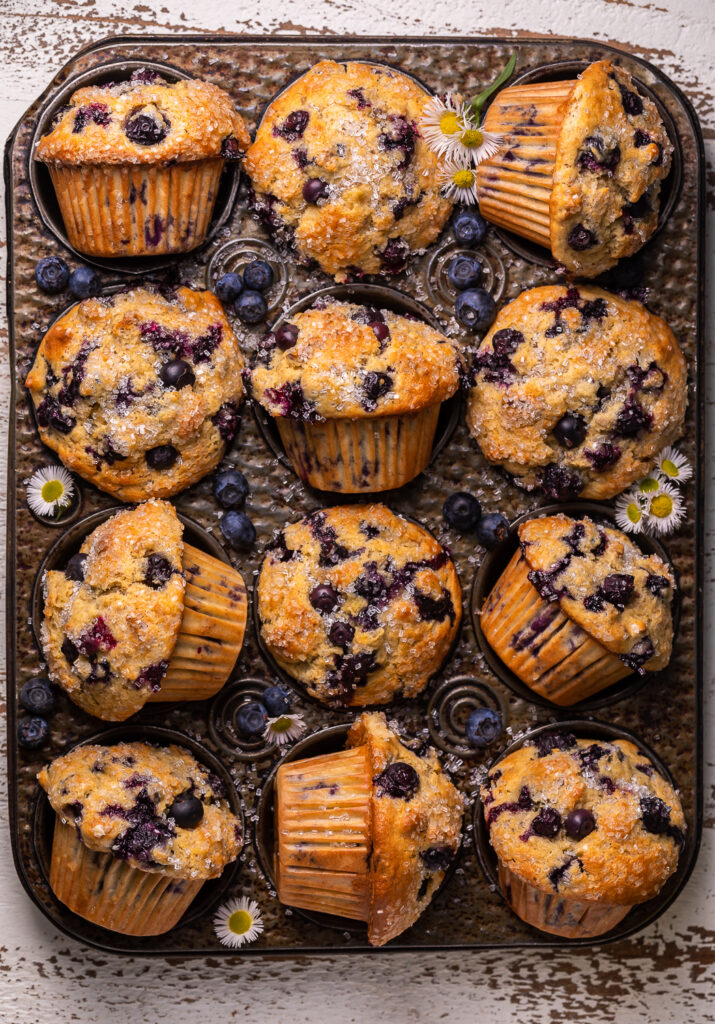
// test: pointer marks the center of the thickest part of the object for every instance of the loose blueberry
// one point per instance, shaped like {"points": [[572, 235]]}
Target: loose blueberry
{"points": [[492, 529], [177, 374], [324, 598], [84, 282], [38, 696], [462, 511], [580, 823], [74, 570], [570, 430], [547, 823], [468, 227], [229, 287], [286, 336], [238, 530], [258, 275], [483, 726], [341, 634], [162, 457], [251, 307], [187, 811], [251, 719], [32, 733], [399, 780], [52, 274], [276, 701], [475, 309], [230, 488], [314, 190], [464, 272]]}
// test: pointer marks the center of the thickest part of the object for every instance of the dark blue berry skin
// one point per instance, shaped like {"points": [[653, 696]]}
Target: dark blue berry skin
{"points": [[187, 811], [483, 726], [276, 701], [52, 274], [468, 227], [462, 511], [258, 275], [84, 283], [251, 307], [475, 309], [32, 733], [229, 287], [238, 530], [492, 529], [162, 457], [177, 374], [230, 488], [38, 696], [251, 719], [464, 272], [580, 823]]}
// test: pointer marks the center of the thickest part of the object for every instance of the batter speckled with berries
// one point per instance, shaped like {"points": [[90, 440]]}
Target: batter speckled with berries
{"points": [[358, 604], [605, 584], [155, 807], [587, 819], [139, 392], [342, 361], [113, 614], [339, 169], [576, 391]]}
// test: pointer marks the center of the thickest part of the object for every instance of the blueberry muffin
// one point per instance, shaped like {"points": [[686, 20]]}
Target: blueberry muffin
{"points": [[339, 169], [139, 392], [139, 829], [356, 393], [136, 614], [580, 168], [579, 607], [136, 164], [582, 830], [358, 605], [576, 391], [367, 833]]}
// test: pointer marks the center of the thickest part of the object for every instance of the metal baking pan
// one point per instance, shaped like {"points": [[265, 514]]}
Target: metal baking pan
{"points": [[665, 714]]}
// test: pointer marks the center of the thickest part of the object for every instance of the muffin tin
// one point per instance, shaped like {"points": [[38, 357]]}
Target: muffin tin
{"points": [[663, 713]]}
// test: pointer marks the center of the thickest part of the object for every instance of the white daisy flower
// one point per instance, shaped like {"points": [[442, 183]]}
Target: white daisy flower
{"points": [[441, 123], [629, 513], [238, 921], [476, 145], [457, 181], [673, 465], [648, 487], [283, 729], [666, 510], [49, 490]]}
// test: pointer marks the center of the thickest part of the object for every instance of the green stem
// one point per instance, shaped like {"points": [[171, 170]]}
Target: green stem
{"points": [[478, 102]]}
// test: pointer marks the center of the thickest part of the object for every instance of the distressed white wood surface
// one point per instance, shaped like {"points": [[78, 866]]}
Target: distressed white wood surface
{"points": [[663, 975]]}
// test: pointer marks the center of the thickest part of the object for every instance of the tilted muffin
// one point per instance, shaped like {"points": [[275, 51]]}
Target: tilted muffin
{"points": [[367, 833], [136, 164], [139, 830], [356, 393], [579, 607], [339, 169], [138, 615], [139, 392], [582, 830], [576, 391], [358, 605], [580, 168]]}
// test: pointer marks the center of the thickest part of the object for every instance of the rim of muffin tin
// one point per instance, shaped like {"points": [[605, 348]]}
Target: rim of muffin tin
{"points": [[43, 820], [43, 193], [382, 297], [325, 741], [491, 568], [641, 914], [670, 189]]}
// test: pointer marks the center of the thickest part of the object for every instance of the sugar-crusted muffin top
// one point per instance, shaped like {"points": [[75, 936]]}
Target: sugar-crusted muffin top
{"points": [[586, 819], [605, 584], [113, 614], [342, 360], [138, 392], [146, 120], [340, 170], [416, 827], [120, 801], [358, 604], [613, 153], [576, 391]]}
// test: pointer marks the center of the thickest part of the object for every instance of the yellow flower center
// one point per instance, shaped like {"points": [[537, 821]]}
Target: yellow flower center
{"points": [[281, 724], [669, 468], [240, 922], [649, 485], [463, 179], [52, 491], [661, 506], [448, 123], [633, 512], [472, 138]]}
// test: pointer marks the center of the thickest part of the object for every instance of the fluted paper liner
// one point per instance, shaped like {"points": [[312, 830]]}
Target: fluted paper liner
{"points": [[136, 209], [323, 822], [350, 456], [110, 893], [541, 645]]}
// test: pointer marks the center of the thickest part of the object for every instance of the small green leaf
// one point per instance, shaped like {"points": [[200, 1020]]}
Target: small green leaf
{"points": [[506, 73]]}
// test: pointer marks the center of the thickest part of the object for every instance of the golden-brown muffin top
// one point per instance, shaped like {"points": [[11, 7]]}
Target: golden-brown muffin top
{"points": [[120, 800], [343, 360], [416, 827], [576, 391], [586, 819], [605, 584], [146, 120]]}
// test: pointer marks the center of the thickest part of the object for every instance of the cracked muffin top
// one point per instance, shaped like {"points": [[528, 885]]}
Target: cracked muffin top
{"points": [[605, 584], [339, 169], [113, 615], [576, 391], [145, 120], [139, 392], [341, 361], [155, 807], [358, 605], [587, 819]]}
